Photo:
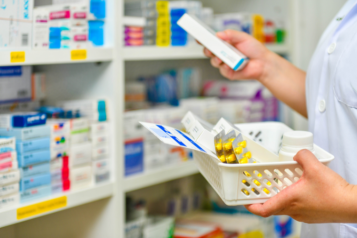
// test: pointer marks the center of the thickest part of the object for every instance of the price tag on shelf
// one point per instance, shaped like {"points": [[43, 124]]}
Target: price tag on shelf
{"points": [[17, 57], [41, 207], [78, 54]]}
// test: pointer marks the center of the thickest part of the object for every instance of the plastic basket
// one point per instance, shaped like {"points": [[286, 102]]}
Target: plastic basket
{"points": [[229, 180]]}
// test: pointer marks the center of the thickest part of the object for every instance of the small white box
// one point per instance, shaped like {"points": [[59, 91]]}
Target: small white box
{"points": [[223, 124], [99, 128], [79, 138], [226, 52], [41, 29], [101, 170], [80, 154], [189, 120], [10, 177], [9, 201], [100, 152], [100, 140], [9, 189], [81, 177], [202, 135]]}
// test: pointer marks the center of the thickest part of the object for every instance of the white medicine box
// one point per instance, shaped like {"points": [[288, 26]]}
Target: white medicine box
{"points": [[15, 84]]}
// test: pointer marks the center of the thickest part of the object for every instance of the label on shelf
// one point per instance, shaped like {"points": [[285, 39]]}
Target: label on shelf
{"points": [[17, 57], [41, 207], [78, 54]]}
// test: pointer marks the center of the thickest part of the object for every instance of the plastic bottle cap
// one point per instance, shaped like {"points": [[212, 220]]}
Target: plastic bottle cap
{"points": [[298, 139]]}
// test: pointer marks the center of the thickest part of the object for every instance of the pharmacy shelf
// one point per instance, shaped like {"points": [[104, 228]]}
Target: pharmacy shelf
{"points": [[183, 52], [76, 198], [62, 56], [162, 175]]}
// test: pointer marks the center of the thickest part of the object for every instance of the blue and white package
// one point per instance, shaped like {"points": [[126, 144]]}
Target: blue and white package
{"points": [[28, 119], [96, 32], [33, 157], [31, 145], [35, 193], [35, 169], [27, 133], [97, 8], [35, 181], [7, 144]]}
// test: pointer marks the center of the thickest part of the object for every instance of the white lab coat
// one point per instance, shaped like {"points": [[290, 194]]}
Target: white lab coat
{"points": [[331, 93]]}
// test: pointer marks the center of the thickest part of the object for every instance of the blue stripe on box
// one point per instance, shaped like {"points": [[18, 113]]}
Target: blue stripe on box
{"points": [[194, 143], [239, 64]]}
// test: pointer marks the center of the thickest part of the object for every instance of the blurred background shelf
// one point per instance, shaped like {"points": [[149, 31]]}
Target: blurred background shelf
{"points": [[36, 57], [159, 176], [76, 198], [174, 53]]}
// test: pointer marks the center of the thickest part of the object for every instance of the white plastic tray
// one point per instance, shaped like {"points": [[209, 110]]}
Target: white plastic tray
{"points": [[227, 179]]}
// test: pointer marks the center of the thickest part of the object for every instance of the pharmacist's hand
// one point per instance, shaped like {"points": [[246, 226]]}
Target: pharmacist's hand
{"points": [[319, 196], [257, 53]]}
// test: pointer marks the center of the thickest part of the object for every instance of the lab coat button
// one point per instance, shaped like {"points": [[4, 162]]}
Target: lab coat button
{"points": [[331, 48], [322, 106]]}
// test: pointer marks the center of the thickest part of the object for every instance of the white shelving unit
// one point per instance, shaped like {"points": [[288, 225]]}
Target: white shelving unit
{"points": [[41, 57], [76, 198], [68, 79], [162, 175]]}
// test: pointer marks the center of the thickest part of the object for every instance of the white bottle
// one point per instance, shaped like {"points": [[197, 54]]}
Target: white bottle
{"points": [[293, 142]]}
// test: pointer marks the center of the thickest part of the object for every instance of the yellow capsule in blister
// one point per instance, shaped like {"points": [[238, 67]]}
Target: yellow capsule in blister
{"points": [[231, 158], [255, 191], [228, 146], [222, 158], [231, 139], [268, 183], [238, 150], [248, 155], [219, 146], [246, 174], [243, 144], [243, 160], [266, 191], [245, 191], [257, 182]]}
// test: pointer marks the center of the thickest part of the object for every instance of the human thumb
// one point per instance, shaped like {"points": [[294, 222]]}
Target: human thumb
{"points": [[306, 159]]}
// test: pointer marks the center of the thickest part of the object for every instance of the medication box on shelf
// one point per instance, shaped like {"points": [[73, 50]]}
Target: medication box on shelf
{"points": [[7, 144], [34, 157], [35, 193], [8, 166], [35, 181], [81, 177], [22, 119], [9, 201], [9, 189], [31, 145], [101, 170], [35, 169], [15, 83], [26, 133], [15, 24], [40, 29], [80, 154], [226, 52], [9, 177]]}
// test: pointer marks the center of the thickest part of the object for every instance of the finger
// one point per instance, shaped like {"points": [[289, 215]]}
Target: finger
{"points": [[198, 42], [274, 205], [232, 36], [207, 52], [306, 159], [216, 62]]}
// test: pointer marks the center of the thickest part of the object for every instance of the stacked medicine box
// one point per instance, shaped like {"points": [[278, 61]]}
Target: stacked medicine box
{"points": [[69, 26], [140, 32], [33, 152], [9, 173], [95, 112]]}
